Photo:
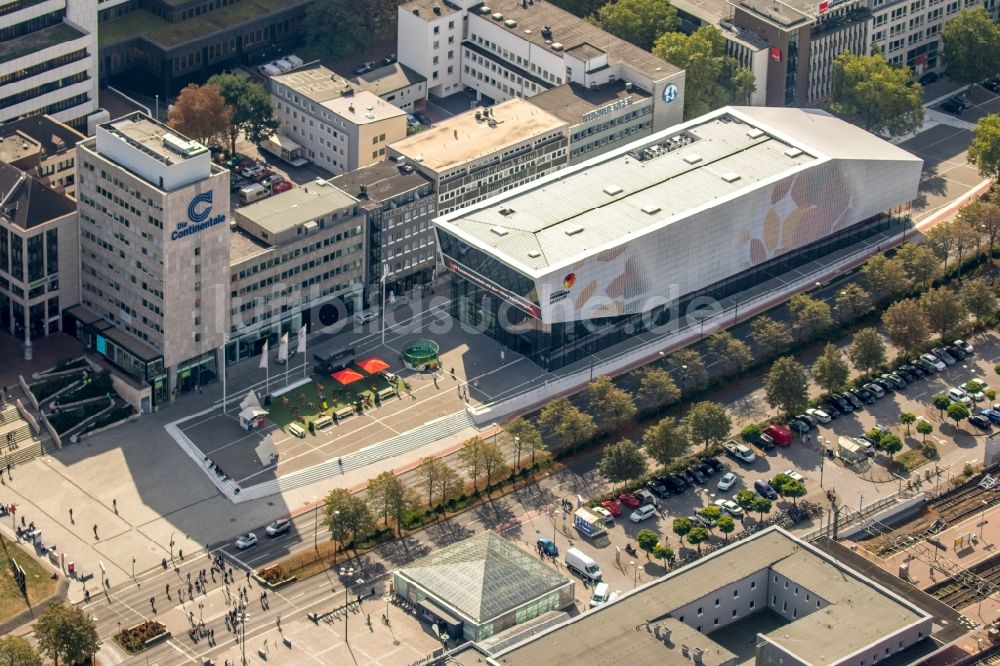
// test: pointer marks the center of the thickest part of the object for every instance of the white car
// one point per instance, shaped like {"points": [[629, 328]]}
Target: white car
{"points": [[819, 415], [935, 361], [727, 481], [279, 526], [642, 513], [976, 389], [363, 318], [248, 540], [730, 507], [960, 396], [795, 476], [603, 513], [964, 346]]}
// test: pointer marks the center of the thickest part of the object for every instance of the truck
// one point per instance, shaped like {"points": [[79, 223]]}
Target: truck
{"points": [[588, 524], [741, 452]]}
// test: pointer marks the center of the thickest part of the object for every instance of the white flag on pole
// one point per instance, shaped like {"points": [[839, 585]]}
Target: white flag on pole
{"points": [[301, 349], [283, 348], [263, 356]]}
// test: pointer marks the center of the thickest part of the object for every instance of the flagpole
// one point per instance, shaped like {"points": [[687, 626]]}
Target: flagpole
{"points": [[225, 341]]}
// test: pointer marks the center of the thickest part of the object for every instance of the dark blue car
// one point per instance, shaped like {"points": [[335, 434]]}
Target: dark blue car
{"points": [[992, 414], [547, 547]]}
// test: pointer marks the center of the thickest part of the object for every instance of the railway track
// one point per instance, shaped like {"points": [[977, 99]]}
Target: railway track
{"points": [[958, 595]]}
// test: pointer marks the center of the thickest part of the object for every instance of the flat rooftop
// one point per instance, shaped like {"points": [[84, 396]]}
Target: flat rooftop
{"points": [[462, 139], [321, 84], [384, 180], [387, 79], [151, 136], [11, 49], [426, 8], [858, 611], [363, 108], [571, 100], [51, 135], [242, 246], [574, 32], [284, 211], [785, 15], [637, 189]]}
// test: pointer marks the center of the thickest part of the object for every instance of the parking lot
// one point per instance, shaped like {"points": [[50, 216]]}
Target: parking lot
{"points": [[978, 101]]}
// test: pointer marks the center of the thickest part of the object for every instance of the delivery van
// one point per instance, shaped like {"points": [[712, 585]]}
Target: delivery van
{"points": [[602, 593], [582, 564]]}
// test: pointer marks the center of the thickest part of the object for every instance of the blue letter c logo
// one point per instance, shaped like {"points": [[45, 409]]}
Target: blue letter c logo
{"points": [[196, 215]]}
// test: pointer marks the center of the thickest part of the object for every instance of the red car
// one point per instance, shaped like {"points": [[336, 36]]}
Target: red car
{"points": [[781, 435], [630, 500], [283, 186], [613, 507]]}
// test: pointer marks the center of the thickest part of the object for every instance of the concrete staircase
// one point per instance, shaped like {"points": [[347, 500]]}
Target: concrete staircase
{"points": [[18, 444]]}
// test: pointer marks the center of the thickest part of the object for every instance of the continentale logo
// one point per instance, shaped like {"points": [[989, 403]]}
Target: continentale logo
{"points": [[199, 213], [569, 281]]}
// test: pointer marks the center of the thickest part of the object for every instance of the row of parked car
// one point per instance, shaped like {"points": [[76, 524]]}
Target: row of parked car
{"points": [[659, 488]]}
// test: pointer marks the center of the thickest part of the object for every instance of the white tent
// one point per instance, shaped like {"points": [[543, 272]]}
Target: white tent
{"points": [[251, 413]]}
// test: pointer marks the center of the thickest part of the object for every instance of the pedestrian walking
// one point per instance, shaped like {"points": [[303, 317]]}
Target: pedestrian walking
{"points": [[152, 603], [168, 590], [114, 505], [70, 515], [95, 531]]}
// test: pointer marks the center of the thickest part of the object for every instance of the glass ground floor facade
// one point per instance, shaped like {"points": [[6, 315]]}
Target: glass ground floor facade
{"points": [[553, 346]]}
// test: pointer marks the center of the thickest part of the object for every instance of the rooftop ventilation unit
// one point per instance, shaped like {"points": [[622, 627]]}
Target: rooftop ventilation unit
{"points": [[510, 23], [731, 177], [500, 231], [484, 10], [651, 209], [182, 147], [755, 133], [693, 158], [612, 190], [534, 254], [793, 152], [574, 229], [506, 211], [498, 16], [557, 46], [436, 9]]}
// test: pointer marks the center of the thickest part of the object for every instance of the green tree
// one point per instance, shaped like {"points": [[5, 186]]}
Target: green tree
{"points": [[924, 428], [919, 262], [786, 386], [726, 525], [647, 540], [751, 432], [731, 352], [809, 315], [971, 46], [640, 22], [957, 412], [347, 516], [745, 499], [567, 424], [853, 302], [472, 455], [831, 370], [664, 554], [66, 633], [712, 78], [387, 496], [906, 325], [697, 536], [761, 506], [891, 444], [495, 466], [708, 422], [614, 404], [581, 8], [941, 403], [526, 438], [428, 471], [867, 350], [253, 113], [979, 298], [682, 527], [711, 513], [16, 651], [449, 484], [906, 418], [201, 113], [941, 240], [622, 461], [657, 388], [966, 233], [869, 92], [769, 335], [990, 222], [944, 308], [337, 29], [687, 367], [884, 276], [665, 441]]}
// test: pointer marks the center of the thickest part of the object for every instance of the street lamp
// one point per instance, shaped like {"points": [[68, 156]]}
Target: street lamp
{"points": [[635, 575], [982, 518], [822, 458], [684, 374], [172, 546], [333, 516]]}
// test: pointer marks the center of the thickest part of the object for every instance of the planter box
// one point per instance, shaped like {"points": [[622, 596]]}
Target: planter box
{"points": [[274, 586], [159, 638], [146, 644]]}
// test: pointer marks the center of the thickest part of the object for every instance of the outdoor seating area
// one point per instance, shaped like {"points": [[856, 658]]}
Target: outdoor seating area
{"points": [[340, 395]]}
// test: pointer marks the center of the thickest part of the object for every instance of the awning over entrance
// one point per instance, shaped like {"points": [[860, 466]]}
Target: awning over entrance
{"points": [[440, 613]]}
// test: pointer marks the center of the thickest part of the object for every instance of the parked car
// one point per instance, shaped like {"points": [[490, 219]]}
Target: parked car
{"points": [[676, 484], [831, 408], [894, 379], [642, 513], [261, 176], [955, 352], [686, 475], [952, 107], [962, 101], [701, 521], [855, 401], [629, 500], [612, 507], [647, 497], [819, 415], [765, 441], [944, 356], [991, 414], [706, 469], [699, 478], [279, 526], [864, 396], [765, 489], [914, 370], [808, 419], [931, 363], [603, 514], [801, 427], [547, 546], [795, 476], [843, 404], [740, 452], [956, 394], [363, 69], [273, 179], [714, 463], [657, 488], [906, 375], [781, 435], [283, 186], [993, 85], [884, 384], [981, 422], [727, 481], [964, 346], [248, 540], [928, 78], [875, 390], [976, 390], [730, 507], [251, 171]]}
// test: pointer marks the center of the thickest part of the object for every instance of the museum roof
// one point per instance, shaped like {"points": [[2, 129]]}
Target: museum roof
{"points": [[465, 138], [635, 190], [483, 577], [857, 614]]}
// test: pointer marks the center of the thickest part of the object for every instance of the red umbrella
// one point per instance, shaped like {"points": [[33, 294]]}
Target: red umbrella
{"points": [[373, 365], [346, 376]]}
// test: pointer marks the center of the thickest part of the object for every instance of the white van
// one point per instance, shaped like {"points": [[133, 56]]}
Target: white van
{"points": [[602, 593], [582, 564], [253, 192]]}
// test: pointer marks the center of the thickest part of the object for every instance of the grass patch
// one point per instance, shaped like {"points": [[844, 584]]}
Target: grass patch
{"points": [[68, 419], [45, 390], [907, 462], [39, 580], [38, 40], [303, 405]]}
